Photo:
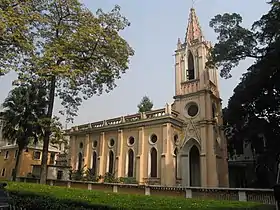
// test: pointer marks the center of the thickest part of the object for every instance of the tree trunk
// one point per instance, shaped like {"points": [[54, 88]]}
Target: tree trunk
{"points": [[43, 175], [17, 166]]}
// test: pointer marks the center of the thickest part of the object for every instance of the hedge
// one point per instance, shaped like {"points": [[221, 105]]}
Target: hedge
{"points": [[44, 197]]}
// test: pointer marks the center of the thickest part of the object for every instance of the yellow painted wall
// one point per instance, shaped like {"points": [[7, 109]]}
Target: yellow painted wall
{"points": [[141, 149], [26, 162]]}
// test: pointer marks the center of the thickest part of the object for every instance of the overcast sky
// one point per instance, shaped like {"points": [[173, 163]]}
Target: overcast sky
{"points": [[155, 27]]}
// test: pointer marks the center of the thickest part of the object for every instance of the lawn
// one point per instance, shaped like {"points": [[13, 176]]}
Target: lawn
{"points": [[35, 196]]}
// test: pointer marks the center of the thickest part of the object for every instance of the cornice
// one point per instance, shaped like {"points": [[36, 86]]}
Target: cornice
{"points": [[203, 91], [141, 123]]}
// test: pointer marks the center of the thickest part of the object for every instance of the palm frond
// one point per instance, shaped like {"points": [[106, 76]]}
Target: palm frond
{"points": [[22, 111]]}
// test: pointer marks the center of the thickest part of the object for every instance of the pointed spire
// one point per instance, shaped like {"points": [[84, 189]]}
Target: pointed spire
{"points": [[194, 31]]}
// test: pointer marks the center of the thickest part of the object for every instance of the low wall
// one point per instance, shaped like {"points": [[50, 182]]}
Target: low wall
{"points": [[264, 196]]}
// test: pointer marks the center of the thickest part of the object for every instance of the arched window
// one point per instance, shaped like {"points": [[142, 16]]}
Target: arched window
{"points": [[190, 71], [130, 163], [111, 162], [80, 161], [94, 161], [153, 163], [176, 163]]}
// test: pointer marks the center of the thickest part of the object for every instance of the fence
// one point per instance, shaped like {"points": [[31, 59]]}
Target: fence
{"points": [[264, 196]]}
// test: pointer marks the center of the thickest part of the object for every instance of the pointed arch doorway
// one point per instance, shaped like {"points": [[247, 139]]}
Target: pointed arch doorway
{"points": [[190, 164], [194, 162]]}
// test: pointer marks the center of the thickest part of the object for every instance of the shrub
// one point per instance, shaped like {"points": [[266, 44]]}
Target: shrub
{"points": [[78, 175], [110, 178], [44, 197], [128, 180], [90, 175]]}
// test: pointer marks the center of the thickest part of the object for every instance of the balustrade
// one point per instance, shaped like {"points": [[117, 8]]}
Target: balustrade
{"points": [[127, 119]]}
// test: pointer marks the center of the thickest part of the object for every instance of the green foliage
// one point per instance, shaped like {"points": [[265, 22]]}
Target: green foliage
{"points": [[78, 174], [22, 111], [82, 53], [236, 43], [110, 178], [34, 196], [18, 19], [145, 104], [90, 175], [85, 175], [252, 115], [57, 134], [77, 53], [24, 115], [128, 180]]}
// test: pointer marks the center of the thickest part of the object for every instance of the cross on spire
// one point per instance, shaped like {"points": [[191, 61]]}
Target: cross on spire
{"points": [[193, 2]]}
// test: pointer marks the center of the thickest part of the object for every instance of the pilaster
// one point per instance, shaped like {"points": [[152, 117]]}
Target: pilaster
{"points": [[213, 179], [183, 69], [167, 165], [120, 162], [73, 151], [204, 138], [178, 73], [162, 160], [87, 155], [204, 74], [141, 166], [101, 157]]}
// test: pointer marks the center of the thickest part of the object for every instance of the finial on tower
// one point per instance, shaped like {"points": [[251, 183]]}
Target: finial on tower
{"points": [[194, 31], [179, 43]]}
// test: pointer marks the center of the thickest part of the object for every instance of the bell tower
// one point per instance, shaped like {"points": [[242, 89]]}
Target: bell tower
{"points": [[202, 157]]}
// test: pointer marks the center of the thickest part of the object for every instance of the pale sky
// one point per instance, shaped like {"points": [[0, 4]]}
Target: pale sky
{"points": [[154, 31]]}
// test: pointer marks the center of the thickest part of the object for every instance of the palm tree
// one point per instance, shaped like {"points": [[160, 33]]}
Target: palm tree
{"points": [[23, 110]]}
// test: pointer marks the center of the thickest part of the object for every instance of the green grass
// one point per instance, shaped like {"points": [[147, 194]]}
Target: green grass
{"points": [[51, 197]]}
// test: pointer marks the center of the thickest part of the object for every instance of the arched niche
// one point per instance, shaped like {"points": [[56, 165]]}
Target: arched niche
{"points": [[80, 161], [153, 163], [94, 163], [111, 162], [130, 171]]}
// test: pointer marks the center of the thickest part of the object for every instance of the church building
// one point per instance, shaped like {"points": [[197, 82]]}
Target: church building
{"points": [[180, 144]]}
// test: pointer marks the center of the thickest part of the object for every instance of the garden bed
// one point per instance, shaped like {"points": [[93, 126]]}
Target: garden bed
{"points": [[35, 196]]}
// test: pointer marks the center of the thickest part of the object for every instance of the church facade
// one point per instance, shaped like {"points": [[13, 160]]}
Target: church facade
{"points": [[180, 144]]}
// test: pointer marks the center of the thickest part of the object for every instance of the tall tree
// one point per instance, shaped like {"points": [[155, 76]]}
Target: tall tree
{"points": [[145, 104], [253, 110], [22, 111], [78, 53]]}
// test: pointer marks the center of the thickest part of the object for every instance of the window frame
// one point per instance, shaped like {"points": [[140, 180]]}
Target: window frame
{"points": [[7, 155], [34, 158]]}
